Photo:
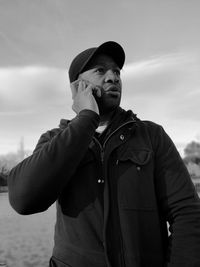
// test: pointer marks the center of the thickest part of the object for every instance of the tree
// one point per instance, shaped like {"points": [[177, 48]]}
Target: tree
{"points": [[192, 159], [192, 153], [194, 170], [3, 176], [8, 161]]}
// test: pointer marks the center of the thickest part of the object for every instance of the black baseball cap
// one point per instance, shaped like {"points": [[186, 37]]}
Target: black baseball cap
{"points": [[81, 61]]}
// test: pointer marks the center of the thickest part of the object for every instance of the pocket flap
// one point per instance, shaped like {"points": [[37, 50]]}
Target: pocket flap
{"points": [[139, 157]]}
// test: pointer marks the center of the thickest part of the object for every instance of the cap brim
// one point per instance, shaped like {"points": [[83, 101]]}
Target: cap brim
{"points": [[110, 48]]}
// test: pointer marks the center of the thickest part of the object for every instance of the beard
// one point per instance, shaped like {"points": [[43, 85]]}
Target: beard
{"points": [[107, 103]]}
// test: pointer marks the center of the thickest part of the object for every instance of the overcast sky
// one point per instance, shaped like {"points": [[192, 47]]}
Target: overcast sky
{"points": [[39, 39]]}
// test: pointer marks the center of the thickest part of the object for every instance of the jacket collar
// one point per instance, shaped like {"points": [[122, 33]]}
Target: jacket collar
{"points": [[120, 116]]}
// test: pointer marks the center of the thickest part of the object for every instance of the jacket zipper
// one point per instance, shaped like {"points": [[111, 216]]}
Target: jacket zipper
{"points": [[128, 122], [102, 148]]}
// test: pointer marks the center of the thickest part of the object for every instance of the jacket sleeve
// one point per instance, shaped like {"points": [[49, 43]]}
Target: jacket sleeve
{"points": [[35, 183], [179, 204]]}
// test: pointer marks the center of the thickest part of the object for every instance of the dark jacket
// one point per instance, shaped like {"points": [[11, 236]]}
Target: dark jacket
{"points": [[114, 194]]}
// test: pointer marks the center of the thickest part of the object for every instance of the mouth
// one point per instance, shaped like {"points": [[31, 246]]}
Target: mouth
{"points": [[113, 90]]}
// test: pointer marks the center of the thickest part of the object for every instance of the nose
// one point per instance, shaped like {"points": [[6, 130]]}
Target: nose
{"points": [[111, 77]]}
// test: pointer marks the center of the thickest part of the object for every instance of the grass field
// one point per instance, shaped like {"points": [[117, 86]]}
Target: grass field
{"points": [[25, 241]]}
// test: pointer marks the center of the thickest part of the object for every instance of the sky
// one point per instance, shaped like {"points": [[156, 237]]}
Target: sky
{"points": [[40, 38]]}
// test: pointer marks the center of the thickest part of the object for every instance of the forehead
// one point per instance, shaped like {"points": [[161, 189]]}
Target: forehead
{"points": [[102, 60]]}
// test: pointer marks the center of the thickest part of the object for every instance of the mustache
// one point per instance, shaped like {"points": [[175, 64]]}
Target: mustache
{"points": [[112, 87]]}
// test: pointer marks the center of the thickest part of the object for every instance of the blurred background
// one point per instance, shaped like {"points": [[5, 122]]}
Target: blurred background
{"points": [[38, 41]]}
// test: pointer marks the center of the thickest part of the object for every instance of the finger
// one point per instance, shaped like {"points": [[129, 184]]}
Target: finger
{"points": [[87, 82], [73, 87], [97, 91], [89, 89], [81, 86]]}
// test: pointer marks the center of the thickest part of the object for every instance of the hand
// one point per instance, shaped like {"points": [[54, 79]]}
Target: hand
{"points": [[82, 96]]}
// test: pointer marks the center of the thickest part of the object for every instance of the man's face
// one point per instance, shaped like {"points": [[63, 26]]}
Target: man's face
{"points": [[104, 73]]}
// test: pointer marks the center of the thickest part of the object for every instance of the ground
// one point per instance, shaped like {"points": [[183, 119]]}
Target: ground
{"points": [[26, 241]]}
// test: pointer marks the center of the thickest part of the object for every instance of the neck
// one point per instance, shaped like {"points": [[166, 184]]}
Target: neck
{"points": [[105, 118]]}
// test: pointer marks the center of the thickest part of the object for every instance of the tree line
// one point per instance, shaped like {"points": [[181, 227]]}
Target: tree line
{"points": [[8, 161], [191, 159]]}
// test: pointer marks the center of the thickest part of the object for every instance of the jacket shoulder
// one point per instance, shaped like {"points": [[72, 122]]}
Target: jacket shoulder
{"points": [[154, 132], [149, 125], [54, 131], [47, 136]]}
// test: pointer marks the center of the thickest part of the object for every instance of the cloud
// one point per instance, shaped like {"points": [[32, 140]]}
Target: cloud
{"points": [[32, 100], [164, 89], [32, 87], [157, 64], [169, 82], [164, 74]]}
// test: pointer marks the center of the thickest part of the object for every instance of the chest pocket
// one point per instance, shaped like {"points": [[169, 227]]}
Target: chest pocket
{"points": [[136, 180], [138, 157]]}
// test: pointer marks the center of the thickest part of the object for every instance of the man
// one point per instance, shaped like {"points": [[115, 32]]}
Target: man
{"points": [[117, 181]]}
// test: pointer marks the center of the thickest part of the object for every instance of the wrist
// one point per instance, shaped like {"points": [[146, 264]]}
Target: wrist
{"points": [[91, 115]]}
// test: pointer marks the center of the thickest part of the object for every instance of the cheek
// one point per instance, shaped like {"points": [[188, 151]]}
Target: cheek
{"points": [[94, 81], [97, 81]]}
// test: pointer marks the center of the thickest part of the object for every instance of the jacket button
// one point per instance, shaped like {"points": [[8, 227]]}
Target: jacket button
{"points": [[100, 181], [138, 168], [121, 137]]}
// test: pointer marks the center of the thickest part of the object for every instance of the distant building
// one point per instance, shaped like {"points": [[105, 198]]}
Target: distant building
{"points": [[21, 150]]}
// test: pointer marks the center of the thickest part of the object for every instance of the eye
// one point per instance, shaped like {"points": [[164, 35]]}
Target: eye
{"points": [[100, 70], [117, 72]]}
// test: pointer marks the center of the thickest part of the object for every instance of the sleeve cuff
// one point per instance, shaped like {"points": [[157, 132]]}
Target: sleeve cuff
{"points": [[92, 115]]}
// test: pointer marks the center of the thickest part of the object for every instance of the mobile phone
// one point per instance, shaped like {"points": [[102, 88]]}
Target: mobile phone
{"points": [[96, 90]]}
